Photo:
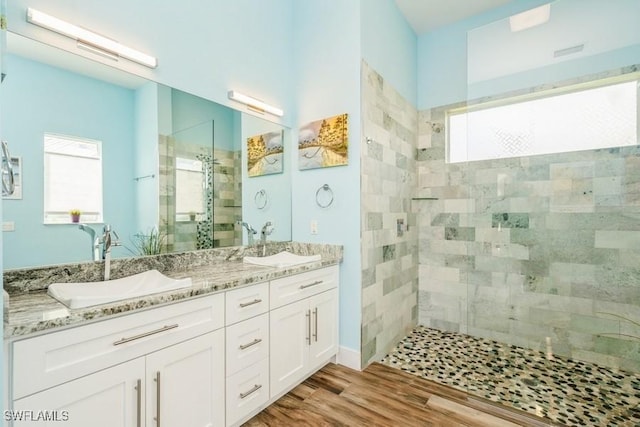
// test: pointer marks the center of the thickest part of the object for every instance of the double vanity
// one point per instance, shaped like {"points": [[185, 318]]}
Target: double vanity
{"points": [[228, 338]]}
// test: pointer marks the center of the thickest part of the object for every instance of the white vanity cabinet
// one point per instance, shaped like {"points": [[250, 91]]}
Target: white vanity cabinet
{"points": [[179, 385], [165, 363], [304, 326], [209, 361]]}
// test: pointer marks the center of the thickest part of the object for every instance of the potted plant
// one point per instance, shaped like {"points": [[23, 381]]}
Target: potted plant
{"points": [[75, 215], [150, 243]]}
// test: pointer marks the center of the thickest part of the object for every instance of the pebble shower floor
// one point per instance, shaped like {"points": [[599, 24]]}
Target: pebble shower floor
{"points": [[566, 391]]}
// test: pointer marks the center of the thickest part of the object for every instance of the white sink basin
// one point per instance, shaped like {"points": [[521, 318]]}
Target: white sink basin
{"points": [[79, 295], [281, 259]]}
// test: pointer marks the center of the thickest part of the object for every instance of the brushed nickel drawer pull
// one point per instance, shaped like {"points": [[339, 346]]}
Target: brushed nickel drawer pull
{"points": [[317, 282], [146, 334], [247, 304], [139, 403], [253, 390], [158, 399], [252, 343], [308, 316], [315, 316]]}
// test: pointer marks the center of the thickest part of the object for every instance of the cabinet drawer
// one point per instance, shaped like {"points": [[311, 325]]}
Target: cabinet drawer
{"points": [[290, 289], [246, 302], [47, 360], [247, 391], [247, 343]]}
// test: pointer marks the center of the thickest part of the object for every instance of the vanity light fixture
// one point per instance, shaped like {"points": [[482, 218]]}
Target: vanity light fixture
{"points": [[530, 18], [89, 39], [255, 104]]}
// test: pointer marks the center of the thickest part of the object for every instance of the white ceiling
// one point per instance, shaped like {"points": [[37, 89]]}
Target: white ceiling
{"points": [[427, 15]]}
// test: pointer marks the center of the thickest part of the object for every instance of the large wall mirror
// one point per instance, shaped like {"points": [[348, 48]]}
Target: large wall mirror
{"points": [[167, 170]]}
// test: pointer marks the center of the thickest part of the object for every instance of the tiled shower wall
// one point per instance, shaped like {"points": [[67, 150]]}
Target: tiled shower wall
{"points": [[227, 198], [388, 177], [556, 257], [225, 203]]}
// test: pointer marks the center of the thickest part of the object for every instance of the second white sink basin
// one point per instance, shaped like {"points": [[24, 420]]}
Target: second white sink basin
{"points": [[281, 259], [79, 295]]}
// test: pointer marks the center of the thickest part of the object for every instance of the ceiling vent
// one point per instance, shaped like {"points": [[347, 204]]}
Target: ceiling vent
{"points": [[568, 51]]}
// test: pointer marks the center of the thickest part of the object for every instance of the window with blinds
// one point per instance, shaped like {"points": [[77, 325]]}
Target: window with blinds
{"points": [[72, 178], [189, 189]]}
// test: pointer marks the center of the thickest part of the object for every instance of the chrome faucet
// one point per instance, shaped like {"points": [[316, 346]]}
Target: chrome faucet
{"points": [[250, 232], [267, 229], [95, 241], [107, 243]]}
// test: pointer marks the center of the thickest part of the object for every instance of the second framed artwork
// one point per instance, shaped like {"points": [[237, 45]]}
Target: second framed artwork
{"points": [[264, 154], [324, 143]]}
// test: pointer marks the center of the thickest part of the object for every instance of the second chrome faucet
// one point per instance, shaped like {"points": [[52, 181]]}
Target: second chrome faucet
{"points": [[101, 245]]}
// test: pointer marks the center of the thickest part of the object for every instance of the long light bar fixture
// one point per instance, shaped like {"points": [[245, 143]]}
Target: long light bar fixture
{"points": [[85, 38], [255, 104]]}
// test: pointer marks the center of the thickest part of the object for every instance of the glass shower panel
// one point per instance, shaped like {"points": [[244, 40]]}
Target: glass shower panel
{"points": [[547, 144], [193, 208]]}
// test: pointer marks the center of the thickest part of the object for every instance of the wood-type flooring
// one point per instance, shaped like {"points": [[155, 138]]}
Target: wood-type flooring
{"points": [[383, 396]]}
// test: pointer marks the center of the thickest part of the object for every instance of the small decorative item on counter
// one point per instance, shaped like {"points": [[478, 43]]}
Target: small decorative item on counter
{"points": [[75, 215]]}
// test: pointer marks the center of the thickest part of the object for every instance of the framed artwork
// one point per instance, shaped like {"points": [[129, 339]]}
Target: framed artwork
{"points": [[265, 154], [324, 143], [16, 163]]}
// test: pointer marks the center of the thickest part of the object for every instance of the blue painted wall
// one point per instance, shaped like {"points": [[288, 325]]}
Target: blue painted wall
{"points": [[442, 56], [327, 54], [203, 47], [390, 46], [47, 99]]}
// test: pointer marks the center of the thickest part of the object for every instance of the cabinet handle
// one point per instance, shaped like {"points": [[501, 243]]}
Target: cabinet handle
{"points": [[308, 316], [157, 380], [315, 316], [317, 282], [250, 392], [145, 334], [252, 343], [247, 304], [139, 403]]}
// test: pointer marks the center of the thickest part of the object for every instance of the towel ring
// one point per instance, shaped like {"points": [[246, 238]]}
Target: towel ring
{"points": [[325, 189], [261, 199]]}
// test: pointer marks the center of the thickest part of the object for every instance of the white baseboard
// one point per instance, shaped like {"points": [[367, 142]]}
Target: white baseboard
{"points": [[349, 358]]}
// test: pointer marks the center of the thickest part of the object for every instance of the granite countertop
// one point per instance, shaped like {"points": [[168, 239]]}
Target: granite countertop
{"points": [[35, 311]]}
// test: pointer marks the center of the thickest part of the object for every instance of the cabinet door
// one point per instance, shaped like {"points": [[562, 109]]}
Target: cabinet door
{"points": [[185, 383], [324, 333], [108, 398], [290, 334]]}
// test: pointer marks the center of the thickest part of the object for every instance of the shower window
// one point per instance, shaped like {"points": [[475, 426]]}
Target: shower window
{"points": [[547, 122], [190, 182], [72, 178]]}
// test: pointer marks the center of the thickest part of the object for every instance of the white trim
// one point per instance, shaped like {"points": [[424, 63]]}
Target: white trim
{"points": [[349, 358]]}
